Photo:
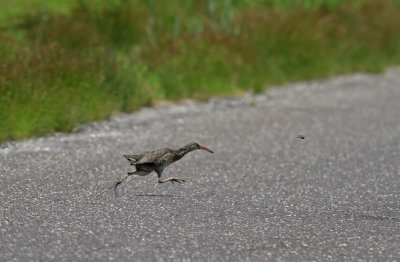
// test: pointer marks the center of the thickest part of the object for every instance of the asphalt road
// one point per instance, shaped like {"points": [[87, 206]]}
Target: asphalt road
{"points": [[264, 195]]}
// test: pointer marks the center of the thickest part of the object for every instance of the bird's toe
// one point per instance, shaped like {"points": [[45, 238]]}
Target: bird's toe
{"points": [[115, 185]]}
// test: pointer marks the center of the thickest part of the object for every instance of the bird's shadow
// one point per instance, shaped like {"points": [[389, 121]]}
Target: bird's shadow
{"points": [[152, 195], [379, 218]]}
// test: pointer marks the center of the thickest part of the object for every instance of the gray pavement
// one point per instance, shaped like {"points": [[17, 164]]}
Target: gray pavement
{"points": [[264, 194]]}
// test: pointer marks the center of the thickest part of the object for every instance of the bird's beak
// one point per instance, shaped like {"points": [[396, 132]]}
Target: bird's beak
{"points": [[206, 149]]}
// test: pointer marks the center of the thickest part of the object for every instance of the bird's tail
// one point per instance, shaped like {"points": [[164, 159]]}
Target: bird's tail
{"points": [[132, 158]]}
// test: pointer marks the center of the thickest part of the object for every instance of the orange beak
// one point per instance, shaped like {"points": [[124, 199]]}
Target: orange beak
{"points": [[206, 149]]}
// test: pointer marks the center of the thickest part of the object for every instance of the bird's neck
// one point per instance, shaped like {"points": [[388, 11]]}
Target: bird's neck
{"points": [[183, 151]]}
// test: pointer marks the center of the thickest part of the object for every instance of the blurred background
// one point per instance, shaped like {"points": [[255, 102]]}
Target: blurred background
{"points": [[66, 62]]}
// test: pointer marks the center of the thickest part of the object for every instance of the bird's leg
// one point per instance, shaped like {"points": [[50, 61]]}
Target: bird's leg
{"points": [[119, 181], [172, 179]]}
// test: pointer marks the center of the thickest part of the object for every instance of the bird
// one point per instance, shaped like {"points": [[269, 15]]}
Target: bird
{"points": [[301, 136], [157, 160]]}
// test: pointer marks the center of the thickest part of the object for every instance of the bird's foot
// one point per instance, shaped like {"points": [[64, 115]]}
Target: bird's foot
{"points": [[172, 179], [119, 181], [179, 180], [115, 185]]}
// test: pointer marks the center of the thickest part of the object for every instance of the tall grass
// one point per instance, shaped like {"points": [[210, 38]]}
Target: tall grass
{"points": [[62, 68]]}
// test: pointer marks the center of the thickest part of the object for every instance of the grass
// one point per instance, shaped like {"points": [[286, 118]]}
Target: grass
{"points": [[66, 62]]}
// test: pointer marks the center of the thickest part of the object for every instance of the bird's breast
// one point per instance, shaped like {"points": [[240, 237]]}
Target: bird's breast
{"points": [[176, 158]]}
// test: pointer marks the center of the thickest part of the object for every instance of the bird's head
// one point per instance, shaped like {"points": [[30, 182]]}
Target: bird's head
{"points": [[193, 146]]}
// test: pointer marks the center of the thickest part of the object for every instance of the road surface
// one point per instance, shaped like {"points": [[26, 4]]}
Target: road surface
{"points": [[264, 195]]}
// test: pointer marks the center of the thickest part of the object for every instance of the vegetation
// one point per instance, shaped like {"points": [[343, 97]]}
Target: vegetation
{"points": [[68, 62]]}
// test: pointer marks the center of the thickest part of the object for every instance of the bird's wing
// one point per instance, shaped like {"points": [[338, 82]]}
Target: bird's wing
{"points": [[152, 156]]}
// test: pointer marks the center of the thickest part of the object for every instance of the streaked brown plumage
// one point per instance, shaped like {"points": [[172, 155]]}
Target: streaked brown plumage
{"points": [[157, 160]]}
